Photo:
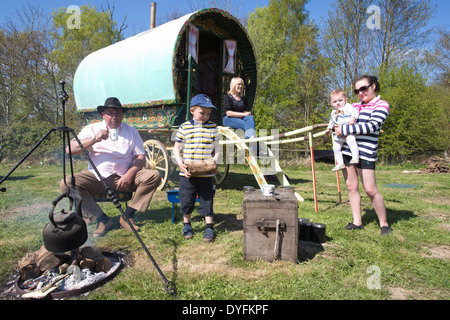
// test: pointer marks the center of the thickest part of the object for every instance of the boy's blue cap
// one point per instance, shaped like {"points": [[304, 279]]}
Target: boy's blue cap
{"points": [[202, 100]]}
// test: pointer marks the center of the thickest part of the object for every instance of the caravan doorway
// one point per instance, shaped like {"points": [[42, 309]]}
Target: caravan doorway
{"points": [[209, 66]]}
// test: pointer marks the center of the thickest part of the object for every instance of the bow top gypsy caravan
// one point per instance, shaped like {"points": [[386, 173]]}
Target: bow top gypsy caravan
{"points": [[156, 73]]}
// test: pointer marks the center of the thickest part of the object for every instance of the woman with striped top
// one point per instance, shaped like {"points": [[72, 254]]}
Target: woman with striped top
{"points": [[373, 112]]}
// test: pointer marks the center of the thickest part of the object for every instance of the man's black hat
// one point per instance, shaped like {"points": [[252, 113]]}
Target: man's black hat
{"points": [[111, 103]]}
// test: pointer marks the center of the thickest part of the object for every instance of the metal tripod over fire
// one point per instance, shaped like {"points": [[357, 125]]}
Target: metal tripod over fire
{"points": [[169, 286]]}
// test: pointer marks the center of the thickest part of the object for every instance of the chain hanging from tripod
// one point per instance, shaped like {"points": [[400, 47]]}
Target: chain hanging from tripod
{"points": [[63, 96]]}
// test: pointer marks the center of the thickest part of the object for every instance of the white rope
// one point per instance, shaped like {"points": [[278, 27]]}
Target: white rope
{"points": [[277, 239]]}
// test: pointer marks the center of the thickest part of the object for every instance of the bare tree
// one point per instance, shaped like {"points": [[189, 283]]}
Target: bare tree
{"points": [[347, 42], [110, 10], [439, 57], [26, 73], [354, 46], [403, 30], [235, 9]]}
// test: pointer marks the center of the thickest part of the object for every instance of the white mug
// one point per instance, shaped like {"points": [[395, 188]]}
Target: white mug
{"points": [[267, 189], [114, 134]]}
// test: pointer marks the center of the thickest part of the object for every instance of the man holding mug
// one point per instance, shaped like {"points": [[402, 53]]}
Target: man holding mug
{"points": [[117, 151]]}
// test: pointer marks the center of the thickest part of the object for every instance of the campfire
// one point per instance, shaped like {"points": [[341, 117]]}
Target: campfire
{"points": [[63, 264], [51, 269], [58, 275]]}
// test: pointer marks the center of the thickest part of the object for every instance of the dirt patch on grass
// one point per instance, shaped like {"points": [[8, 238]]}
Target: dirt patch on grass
{"points": [[440, 200], [404, 294], [206, 258], [439, 215], [439, 252], [12, 213], [420, 294]]}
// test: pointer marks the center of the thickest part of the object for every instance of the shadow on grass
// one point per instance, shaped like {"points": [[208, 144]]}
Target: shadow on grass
{"points": [[307, 250], [222, 221], [237, 181], [393, 216], [16, 178]]}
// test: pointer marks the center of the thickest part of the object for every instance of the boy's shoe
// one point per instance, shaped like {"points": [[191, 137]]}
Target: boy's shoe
{"points": [[187, 232], [354, 161], [210, 234], [352, 226], [338, 167], [385, 230]]}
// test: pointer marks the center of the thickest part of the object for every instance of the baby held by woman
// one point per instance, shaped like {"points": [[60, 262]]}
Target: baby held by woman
{"points": [[343, 113]]}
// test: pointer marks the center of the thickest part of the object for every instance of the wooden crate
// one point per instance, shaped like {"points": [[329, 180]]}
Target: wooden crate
{"points": [[263, 216]]}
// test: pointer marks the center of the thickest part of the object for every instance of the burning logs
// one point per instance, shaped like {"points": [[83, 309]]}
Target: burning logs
{"points": [[59, 275], [35, 264], [69, 279], [94, 260]]}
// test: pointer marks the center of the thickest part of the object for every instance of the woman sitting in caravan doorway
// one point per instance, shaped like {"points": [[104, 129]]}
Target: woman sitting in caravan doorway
{"points": [[237, 112]]}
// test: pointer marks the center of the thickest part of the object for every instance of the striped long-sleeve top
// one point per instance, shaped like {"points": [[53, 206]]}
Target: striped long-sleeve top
{"points": [[367, 129]]}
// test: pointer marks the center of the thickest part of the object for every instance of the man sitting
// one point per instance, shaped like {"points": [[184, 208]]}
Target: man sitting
{"points": [[117, 150]]}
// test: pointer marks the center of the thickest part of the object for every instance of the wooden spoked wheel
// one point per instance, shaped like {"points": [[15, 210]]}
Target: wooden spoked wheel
{"points": [[222, 174], [157, 158], [222, 168]]}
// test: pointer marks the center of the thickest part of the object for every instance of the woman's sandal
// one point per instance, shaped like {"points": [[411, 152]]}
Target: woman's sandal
{"points": [[352, 226]]}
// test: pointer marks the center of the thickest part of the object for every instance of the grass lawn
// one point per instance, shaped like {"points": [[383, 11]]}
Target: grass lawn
{"points": [[411, 263]]}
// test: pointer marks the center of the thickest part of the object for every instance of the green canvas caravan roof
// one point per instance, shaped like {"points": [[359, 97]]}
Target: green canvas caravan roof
{"points": [[150, 68]]}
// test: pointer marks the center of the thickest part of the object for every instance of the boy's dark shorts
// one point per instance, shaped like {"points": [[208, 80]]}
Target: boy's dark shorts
{"points": [[188, 191], [363, 164]]}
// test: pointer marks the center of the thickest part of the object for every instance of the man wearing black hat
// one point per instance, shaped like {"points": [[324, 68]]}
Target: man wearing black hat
{"points": [[117, 150]]}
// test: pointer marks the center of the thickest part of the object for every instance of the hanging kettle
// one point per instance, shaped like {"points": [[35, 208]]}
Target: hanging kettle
{"points": [[66, 230]]}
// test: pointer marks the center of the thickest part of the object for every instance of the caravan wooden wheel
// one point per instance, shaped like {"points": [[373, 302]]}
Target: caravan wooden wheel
{"points": [[222, 173], [157, 158]]}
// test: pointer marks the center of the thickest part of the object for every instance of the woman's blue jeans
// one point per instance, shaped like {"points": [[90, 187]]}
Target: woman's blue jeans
{"points": [[247, 124]]}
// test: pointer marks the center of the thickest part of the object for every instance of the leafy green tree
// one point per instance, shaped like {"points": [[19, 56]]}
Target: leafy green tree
{"points": [[290, 68], [419, 115], [27, 96], [36, 52], [75, 37], [96, 30]]}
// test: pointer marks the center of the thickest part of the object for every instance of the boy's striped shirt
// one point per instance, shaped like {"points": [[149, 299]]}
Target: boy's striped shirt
{"points": [[197, 139]]}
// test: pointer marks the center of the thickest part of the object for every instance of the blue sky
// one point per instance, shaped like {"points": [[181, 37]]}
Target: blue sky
{"points": [[138, 11]]}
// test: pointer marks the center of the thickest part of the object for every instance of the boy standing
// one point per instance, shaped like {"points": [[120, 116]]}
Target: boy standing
{"points": [[343, 113], [199, 140]]}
